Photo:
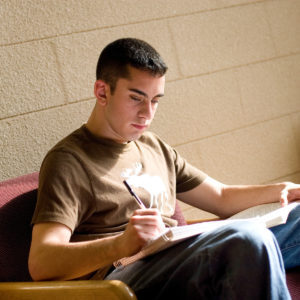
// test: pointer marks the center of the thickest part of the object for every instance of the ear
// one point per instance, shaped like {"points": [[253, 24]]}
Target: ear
{"points": [[100, 91]]}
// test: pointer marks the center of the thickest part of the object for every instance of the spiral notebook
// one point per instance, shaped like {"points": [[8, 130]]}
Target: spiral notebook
{"points": [[267, 214]]}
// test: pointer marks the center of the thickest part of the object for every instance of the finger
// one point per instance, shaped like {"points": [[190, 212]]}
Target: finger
{"points": [[147, 211], [284, 198], [294, 193], [146, 230], [149, 220]]}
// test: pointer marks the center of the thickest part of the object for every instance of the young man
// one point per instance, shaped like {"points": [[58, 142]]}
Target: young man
{"points": [[85, 218]]}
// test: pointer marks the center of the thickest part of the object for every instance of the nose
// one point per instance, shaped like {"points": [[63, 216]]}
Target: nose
{"points": [[147, 111]]}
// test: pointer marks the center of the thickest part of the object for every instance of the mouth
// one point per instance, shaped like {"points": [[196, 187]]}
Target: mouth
{"points": [[139, 127]]}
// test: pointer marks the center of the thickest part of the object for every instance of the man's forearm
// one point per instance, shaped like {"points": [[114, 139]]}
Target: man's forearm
{"points": [[240, 197], [53, 257], [72, 260], [226, 200]]}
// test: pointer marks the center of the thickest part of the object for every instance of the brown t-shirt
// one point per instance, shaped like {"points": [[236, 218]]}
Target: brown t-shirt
{"points": [[81, 182]]}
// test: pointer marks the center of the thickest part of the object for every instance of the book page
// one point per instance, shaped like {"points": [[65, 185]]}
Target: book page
{"points": [[256, 211], [263, 209], [270, 214]]}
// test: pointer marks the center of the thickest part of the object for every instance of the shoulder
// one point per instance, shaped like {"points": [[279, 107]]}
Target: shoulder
{"points": [[75, 145], [66, 152], [71, 141]]}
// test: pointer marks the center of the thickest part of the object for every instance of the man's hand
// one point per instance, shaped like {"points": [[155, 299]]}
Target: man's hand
{"points": [[144, 225], [290, 192]]}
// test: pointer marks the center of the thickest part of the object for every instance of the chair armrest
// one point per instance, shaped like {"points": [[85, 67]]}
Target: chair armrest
{"points": [[66, 290]]}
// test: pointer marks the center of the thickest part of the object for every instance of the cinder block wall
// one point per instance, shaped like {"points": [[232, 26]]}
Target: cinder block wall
{"points": [[232, 104]]}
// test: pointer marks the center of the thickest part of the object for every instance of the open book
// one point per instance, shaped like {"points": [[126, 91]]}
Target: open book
{"points": [[267, 214]]}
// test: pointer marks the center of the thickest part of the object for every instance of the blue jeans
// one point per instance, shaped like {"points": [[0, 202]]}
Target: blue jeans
{"points": [[237, 261], [288, 238]]}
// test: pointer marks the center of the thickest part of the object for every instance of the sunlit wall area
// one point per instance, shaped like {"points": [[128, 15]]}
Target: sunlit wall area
{"points": [[232, 103]]}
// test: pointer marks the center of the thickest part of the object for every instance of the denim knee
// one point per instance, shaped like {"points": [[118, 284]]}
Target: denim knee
{"points": [[288, 238], [244, 241], [251, 232], [247, 259]]}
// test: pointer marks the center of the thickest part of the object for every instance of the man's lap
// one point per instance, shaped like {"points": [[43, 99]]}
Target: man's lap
{"points": [[198, 259]]}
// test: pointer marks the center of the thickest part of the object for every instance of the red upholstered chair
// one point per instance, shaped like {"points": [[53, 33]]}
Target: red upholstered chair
{"points": [[17, 202]]}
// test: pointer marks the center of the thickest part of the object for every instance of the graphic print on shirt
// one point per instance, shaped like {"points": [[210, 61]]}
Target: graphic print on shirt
{"points": [[152, 184]]}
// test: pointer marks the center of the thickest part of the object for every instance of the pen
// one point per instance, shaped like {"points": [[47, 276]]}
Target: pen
{"points": [[136, 197]]}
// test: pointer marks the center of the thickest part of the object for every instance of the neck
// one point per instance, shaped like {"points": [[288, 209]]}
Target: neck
{"points": [[96, 126], [93, 123]]}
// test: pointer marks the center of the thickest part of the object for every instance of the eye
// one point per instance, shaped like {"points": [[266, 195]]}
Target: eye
{"points": [[154, 101], [136, 98]]}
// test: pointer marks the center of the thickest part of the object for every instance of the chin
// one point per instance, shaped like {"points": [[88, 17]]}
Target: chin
{"points": [[134, 137]]}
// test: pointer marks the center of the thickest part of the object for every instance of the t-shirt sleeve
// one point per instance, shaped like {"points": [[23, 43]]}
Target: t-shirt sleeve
{"points": [[64, 193], [187, 176]]}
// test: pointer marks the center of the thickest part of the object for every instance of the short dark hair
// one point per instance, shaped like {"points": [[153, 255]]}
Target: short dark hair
{"points": [[117, 56]]}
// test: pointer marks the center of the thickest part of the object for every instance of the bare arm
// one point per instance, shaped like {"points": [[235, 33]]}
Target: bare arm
{"points": [[226, 200], [53, 257]]}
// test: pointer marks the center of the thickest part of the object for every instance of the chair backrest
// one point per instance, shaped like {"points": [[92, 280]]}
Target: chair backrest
{"points": [[17, 203]]}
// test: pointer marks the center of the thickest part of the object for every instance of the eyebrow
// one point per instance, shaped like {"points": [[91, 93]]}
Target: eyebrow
{"points": [[143, 93]]}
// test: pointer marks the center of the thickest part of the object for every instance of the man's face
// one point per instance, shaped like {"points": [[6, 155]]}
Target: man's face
{"points": [[131, 108]]}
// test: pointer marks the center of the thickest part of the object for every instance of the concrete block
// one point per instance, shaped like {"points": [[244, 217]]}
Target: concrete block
{"points": [[78, 54], [251, 155], [284, 19], [198, 107], [29, 79], [222, 39], [37, 19], [295, 177], [226, 3], [26, 139], [137, 10], [270, 89]]}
